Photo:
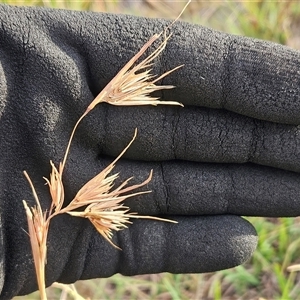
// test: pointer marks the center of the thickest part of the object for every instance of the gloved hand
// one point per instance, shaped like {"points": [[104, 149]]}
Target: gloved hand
{"points": [[233, 150]]}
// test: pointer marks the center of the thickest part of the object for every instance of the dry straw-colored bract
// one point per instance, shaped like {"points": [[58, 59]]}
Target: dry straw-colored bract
{"points": [[100, 201]]}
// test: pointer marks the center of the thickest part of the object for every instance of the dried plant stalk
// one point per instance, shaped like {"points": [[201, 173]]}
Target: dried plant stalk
{"points": [[68, 289], [294, 268], [103, 205]]}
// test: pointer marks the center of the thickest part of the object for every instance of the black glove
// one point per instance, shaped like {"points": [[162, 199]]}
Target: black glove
{"points": [[233, 149]]}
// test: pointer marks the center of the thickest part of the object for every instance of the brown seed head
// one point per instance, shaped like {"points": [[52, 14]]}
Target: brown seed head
{"points": [[104, 205], [134, 84], [56, 187]]}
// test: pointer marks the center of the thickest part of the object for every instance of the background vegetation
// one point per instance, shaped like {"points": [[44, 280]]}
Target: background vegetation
{"points": [[265, 275]]}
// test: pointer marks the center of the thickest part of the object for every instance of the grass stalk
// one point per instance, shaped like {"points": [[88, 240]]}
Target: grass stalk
{"points": [[103, 205], [132, 85]]}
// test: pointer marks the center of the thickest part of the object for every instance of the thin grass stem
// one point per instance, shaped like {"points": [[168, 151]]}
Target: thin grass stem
{"points": [[70, 141]]}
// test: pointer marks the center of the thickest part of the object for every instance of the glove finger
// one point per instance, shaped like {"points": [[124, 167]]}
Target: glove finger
{"points": [[194, 134], [187, 188], [251, 77], [194, 245], [248, 76]]}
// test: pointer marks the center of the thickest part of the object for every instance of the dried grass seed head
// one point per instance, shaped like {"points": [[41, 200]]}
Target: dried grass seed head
{"points": [[38, 227], [134, 84], [56, 187]]}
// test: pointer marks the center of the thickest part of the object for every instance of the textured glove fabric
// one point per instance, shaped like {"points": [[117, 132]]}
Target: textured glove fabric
{"points": [[233, 150]]}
